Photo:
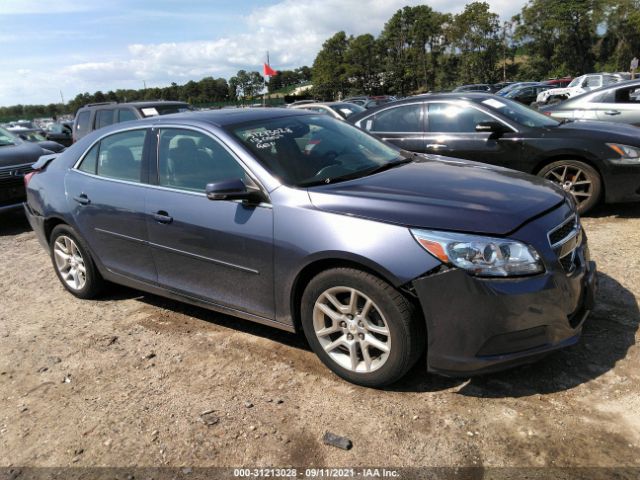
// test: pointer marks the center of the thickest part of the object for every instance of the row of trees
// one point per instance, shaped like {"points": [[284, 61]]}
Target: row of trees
{"points": [[421, 49]]}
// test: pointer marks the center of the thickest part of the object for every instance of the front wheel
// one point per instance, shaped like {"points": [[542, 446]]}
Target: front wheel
{"points": [[578, 178], [361, 327]]}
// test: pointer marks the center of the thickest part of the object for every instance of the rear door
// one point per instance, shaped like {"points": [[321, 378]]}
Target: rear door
{"points": [[217, 251], [451, 131], [403, 125], [106, 192]]}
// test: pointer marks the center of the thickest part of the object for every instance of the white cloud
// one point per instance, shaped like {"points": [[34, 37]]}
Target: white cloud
{"points": [[291, 30]]}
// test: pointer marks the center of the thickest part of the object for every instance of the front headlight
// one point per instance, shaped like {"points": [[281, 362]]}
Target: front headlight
{"points": [[627, 153], [482, 256]]}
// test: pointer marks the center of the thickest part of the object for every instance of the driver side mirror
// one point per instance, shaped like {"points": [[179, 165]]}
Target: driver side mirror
{"points": [[495, 128], [233, 189]]}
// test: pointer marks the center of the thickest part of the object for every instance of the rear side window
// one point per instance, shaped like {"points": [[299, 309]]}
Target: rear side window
{"points": [[90, 161], [120, 156], [104, 118], [82, 123], [404, 118], [125, 115]]}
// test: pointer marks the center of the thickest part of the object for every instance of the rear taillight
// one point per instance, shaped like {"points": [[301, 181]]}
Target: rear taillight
{"points": [[27, 177]]}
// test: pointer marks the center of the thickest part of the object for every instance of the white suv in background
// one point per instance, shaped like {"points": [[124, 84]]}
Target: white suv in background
{"points": [[578, 85]]}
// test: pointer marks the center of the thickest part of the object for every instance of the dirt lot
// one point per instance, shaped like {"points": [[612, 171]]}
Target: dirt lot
{"points": [[123, 381]]}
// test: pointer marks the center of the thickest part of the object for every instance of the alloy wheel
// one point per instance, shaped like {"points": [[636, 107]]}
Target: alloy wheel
{"points": [[574, 180], [69, 262], [351, 329]]}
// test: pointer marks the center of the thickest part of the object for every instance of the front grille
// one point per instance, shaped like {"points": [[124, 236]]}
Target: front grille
{"points": [[564, 239], [15, 173]]}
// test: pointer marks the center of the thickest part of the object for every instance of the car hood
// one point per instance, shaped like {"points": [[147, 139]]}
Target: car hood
{"points": [[444, 194], [19, 154], [608, 129]]}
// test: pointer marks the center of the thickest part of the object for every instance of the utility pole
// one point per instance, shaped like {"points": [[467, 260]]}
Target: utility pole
{"points": [[61, 97]]}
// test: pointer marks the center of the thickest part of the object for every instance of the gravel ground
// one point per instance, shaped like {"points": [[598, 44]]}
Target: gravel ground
{"points": [[123, 381]]}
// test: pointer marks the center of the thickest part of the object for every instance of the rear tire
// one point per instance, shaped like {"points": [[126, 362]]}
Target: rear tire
{"points": [[73, 264], [578, 178], [361, 327]]}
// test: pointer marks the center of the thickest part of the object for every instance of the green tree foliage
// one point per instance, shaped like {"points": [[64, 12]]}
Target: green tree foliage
{"points": [[329, 68], [621, 41]]}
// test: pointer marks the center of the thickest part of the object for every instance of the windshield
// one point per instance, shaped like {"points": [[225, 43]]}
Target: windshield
{"points": [[518, 113], [31, 136], [346, 109], [308, 150], [6, 138], [164, 110], [576, 81]]}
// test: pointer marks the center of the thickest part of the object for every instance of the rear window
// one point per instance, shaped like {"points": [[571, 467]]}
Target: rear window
{"points": [[125, 115], [82, 123]]}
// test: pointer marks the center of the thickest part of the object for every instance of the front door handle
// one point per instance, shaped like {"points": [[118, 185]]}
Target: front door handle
{"points": [[82, 199], [437, 146], [162, 217], [612, 112]]}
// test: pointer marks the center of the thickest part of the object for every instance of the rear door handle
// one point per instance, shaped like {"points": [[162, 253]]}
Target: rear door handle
{"points": [[437, 146], [612, 112], [82, 199], [162, 217]]}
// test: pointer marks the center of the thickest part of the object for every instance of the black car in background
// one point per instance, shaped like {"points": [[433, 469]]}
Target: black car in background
{"points": [[98, 115], [478, 87], [38, 136], [16, 160], [527, 94], [593, 160], [61, 133]]}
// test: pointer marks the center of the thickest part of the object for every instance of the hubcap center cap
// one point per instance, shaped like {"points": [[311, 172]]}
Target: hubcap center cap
{"points": [[352, 327]]}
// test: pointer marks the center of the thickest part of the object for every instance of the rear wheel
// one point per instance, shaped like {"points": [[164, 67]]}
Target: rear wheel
{"points": [[578, 178], [361, 327], [73, 263]]}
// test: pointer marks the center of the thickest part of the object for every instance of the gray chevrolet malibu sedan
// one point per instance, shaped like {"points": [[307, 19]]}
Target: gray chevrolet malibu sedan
{"points": [[302, 222]]}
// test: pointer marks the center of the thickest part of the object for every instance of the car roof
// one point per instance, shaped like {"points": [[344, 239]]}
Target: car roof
{"points": [[598, 91], [140, 104]]}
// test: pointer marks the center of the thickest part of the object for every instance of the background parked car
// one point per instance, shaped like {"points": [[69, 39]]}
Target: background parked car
{"points": [[527, 94], [558, 82], [98, 115], [578, 86], [503, 91], [339, 110], [619, 102], [592, 160], [61, 133], [478, 87], [16, 160], [37, 136]]}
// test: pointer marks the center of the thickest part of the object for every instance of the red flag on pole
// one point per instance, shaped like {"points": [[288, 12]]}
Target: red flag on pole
{"points": [[268, 71]]}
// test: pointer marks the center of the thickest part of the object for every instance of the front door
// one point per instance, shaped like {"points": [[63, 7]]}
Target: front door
{"points": [[219, 251], [451, 131]]}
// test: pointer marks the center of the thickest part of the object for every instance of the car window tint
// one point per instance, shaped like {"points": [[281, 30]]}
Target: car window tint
{"points": [[82, 123], [125, 115], [120, 155], [627, 95], [189, 160], [593, 82], [90, 160], [104, 118], [446, 117], [403, 118]]}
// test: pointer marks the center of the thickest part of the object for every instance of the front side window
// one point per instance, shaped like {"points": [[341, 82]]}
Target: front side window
{"points": [[447, 117], [104, 118], [7, 138], [189, 160], [307, 150], [90, 161], [125, 115], [120, 156], [400, 119]]}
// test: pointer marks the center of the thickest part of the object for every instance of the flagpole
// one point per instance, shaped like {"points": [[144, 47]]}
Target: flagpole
{"points": [[265, 85]]}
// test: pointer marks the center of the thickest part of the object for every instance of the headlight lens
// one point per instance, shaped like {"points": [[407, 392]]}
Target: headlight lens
{"points": [[482, 256], [627, 153]]}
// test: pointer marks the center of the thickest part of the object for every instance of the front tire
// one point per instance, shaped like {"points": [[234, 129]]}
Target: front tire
{"points": [[578, 178], [361, 327], [73, 264]]}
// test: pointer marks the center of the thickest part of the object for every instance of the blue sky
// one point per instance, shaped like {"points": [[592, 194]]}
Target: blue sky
{"points": [[75, 46]]}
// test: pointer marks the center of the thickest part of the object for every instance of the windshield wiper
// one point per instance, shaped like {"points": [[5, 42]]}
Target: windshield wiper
{"points": [[360, 173], [390, 165]]}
